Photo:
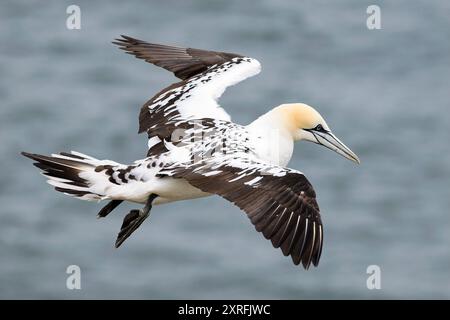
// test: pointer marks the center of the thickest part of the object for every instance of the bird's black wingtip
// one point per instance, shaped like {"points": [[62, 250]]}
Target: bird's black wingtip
{"points": [[306, 264], [124, 40], [120, 41], [128, 38]]}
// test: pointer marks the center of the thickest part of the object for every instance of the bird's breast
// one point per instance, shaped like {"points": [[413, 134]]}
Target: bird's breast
{"points": [[272, 146]]}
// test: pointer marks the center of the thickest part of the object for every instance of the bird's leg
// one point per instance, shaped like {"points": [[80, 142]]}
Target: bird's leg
{"points": [[108, 208], [133, 220]]}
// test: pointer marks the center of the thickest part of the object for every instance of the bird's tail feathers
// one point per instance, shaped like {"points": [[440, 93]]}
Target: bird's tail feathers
{"points": [[75, 174]]}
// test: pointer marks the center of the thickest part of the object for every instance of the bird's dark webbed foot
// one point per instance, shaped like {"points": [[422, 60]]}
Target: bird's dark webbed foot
{"points": [[133, 220], [108, 208]]}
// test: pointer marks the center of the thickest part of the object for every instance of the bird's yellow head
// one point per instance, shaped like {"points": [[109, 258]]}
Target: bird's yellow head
{"points": [[305, 123]]}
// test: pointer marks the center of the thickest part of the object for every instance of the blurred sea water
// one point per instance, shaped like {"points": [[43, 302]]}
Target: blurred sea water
{"points": [[384, 92]]}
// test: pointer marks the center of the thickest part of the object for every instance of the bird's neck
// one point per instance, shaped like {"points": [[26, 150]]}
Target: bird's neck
{"points": [[277, 119], [273, 139]]}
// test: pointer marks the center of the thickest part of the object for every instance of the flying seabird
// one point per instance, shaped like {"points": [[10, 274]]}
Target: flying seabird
{"points": [[195, 150]]}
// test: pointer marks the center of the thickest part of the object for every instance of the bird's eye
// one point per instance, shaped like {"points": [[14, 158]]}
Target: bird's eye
{"points": [[319, 127]]}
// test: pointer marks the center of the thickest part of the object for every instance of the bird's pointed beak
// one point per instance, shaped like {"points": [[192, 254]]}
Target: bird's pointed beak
{"points": [[329, 140]]}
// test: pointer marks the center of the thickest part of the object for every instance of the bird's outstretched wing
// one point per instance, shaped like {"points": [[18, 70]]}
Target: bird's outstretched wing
{"points": [[205, 76], [183, 62], [280, 202]]}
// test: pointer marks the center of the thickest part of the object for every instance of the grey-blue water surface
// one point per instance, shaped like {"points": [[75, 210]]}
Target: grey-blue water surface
{"points": [[384, 92]]}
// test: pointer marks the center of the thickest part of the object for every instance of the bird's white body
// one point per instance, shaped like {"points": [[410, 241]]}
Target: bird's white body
{"points": [[263, 137], [171, 190]]}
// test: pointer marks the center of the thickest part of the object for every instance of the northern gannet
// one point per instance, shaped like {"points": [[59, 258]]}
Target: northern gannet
{"points": [[194, 150]]}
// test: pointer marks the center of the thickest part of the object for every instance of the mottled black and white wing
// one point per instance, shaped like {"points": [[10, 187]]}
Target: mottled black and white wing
{"points": [[280, 202], [205, 76], [183, 62]]}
